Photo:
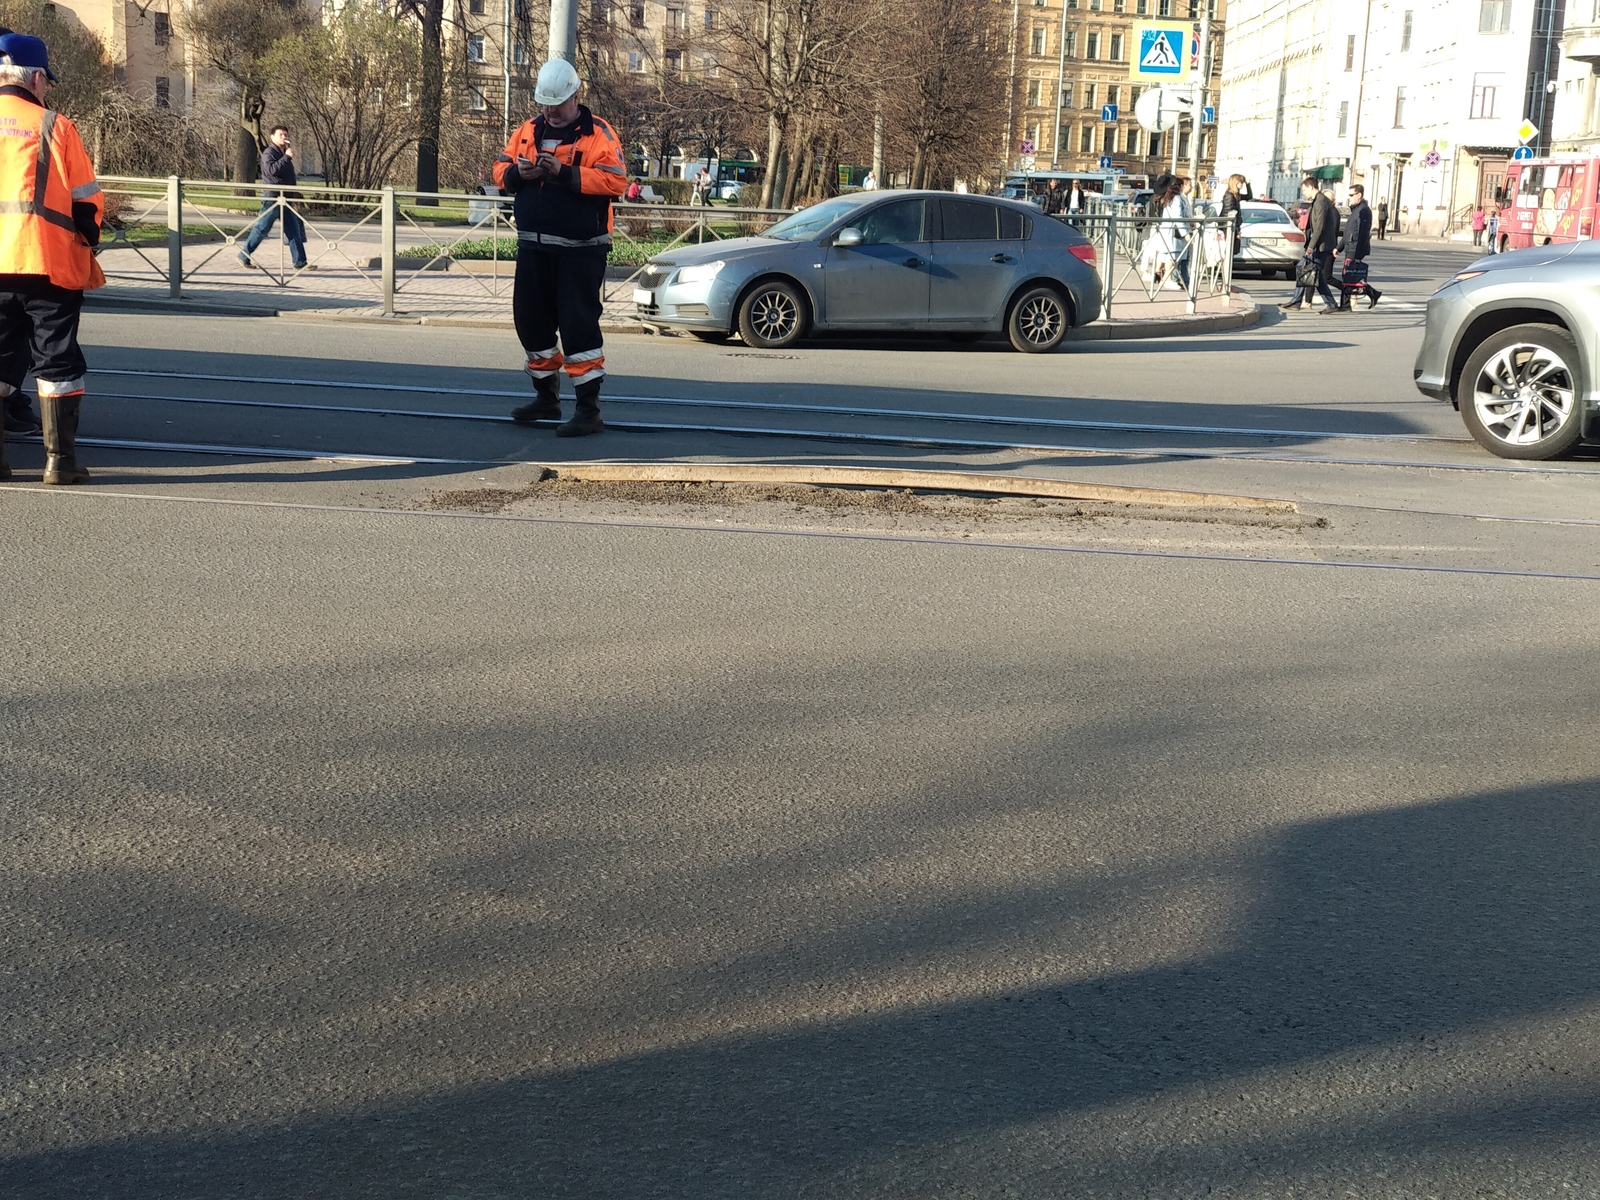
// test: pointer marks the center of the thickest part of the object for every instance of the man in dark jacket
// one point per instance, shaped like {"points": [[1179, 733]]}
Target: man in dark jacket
{"points": [[1357, 246], [1322, 237], [277, 169]]}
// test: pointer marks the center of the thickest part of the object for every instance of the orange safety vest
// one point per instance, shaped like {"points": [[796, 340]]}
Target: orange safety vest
{"points": [[43, 171], [596, 156]]}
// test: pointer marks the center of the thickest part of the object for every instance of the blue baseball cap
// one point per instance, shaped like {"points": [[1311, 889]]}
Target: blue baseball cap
{"points": [[25, 51]]}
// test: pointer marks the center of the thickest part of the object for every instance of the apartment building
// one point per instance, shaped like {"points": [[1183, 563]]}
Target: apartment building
{"points": [[1575, 117], [144, 41], [1419, 100], [1070, 60]]}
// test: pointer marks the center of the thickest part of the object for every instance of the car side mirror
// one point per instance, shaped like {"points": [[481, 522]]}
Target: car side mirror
{"points": [[848, 237]]}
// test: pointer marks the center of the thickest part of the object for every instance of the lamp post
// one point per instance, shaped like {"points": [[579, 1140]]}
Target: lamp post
{"points": [[563, 29]]}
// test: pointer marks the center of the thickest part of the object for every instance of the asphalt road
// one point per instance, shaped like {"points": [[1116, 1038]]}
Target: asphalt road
{"points": [[347, 852]]}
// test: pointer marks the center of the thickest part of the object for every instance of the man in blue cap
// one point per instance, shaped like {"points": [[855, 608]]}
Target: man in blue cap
{"points": [[50, 207]]}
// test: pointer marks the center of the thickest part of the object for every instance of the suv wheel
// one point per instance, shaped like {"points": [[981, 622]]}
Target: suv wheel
{"points": [[1519, 392]]}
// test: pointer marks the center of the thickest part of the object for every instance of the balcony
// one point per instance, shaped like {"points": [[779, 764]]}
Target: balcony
{"points": [[1582, 43]]}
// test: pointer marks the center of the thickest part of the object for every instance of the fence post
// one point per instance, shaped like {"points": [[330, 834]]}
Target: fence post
{"points": [[1193, 250], [1227, 259], [388, 251], [1108, 281], [174, 236]]}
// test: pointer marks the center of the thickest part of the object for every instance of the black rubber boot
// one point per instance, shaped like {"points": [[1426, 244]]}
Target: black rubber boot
{"points": [[546, 405], [60, 415], [1373, 296], [19, 416], [587, 419]]}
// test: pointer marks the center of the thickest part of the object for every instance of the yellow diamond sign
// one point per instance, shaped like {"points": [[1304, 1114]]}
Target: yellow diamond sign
{"points": [[1527, 131]]}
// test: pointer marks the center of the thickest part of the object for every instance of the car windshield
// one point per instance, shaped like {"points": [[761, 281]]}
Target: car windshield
{"points": [[809, 222], [1265, 216]]}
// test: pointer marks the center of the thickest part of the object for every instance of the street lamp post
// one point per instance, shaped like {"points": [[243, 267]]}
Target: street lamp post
{"points": [[564, 29]]}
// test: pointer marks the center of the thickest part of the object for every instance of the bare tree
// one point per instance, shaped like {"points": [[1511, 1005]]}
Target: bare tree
{"points": [[429, 15], [237, 36]]}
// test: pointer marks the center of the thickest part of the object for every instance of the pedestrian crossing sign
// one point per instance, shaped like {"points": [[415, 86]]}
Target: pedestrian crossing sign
{"points": [[1161, 53]]}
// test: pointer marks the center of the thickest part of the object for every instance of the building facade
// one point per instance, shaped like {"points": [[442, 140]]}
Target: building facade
{"points": [[1576, 118], [1070, 60], [1419, 100]]}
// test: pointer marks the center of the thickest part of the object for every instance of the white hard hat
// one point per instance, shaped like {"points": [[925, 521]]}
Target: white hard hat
{"points": [[557, 83]]}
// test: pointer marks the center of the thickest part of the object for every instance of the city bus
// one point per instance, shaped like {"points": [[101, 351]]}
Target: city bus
{"points": [[1029, 185], [1551, 199]]}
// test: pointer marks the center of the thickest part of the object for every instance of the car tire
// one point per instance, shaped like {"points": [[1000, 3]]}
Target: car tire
{"points": [[1038, 321], [715, 337], [1520, 393], [773, 315]]}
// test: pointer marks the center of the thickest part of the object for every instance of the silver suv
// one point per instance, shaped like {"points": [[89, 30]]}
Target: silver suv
{"points": [[1514, 343]]}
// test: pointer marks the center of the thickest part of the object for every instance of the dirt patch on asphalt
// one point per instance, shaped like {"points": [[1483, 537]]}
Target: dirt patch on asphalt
{"points": [[857, 506]]}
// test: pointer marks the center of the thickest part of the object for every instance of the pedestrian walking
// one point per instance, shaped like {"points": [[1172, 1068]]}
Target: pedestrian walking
{"points": [[564, 168], [50, 210], [1357, 244], [1493, 228], [1383, 219], [1478, 223], [1053, 199], [277, 169], [870, 183], [1322, 237]]}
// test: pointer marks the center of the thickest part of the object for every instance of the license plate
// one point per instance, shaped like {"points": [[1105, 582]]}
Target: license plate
{"points": [[643, 298]]}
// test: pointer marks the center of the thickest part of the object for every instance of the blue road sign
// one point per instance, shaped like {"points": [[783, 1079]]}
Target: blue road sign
{"points": [[1108, 112], [1208, 115], [1522, 152], [1105, 162], [1028, 146], [1161, 52]]}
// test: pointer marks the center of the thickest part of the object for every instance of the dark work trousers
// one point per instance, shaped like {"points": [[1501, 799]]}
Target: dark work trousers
{"points": [[557, 292], [1324, 261], [39, 329]]}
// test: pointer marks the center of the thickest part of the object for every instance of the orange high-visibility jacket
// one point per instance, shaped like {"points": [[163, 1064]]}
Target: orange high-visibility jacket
{"points": [[575, 207], [43, 172]]}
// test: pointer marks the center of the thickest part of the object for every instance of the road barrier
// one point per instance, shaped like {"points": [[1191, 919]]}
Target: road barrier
{"points": [[397, 241], [1157, 255]]}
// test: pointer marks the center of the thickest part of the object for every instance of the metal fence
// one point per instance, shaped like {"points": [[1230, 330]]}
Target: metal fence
{"points": [[393, 241], [1157, 256]]}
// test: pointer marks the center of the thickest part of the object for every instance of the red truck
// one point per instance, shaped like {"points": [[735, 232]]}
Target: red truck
{"points": [[1549, 200]]}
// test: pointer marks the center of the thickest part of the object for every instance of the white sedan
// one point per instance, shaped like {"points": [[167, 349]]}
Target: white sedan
{"points": [[1269, 240]]}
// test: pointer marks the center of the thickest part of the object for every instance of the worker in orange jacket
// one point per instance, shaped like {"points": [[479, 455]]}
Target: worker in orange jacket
{"points": [[50, 207], [564, 167]]}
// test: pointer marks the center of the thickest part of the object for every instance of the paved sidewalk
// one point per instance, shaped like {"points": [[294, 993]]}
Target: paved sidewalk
{"points": [[478, 293]]}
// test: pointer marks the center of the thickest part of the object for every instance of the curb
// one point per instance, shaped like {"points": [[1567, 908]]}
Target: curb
{"points": [[882, 477], [1111, 331]]}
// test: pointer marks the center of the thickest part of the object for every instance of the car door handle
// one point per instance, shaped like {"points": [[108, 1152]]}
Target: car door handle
{"points": [[1001, 258], [913, 262]]}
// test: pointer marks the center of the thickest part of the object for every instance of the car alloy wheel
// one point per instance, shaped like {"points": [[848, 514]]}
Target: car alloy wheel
{"points": [[772, 316], [1521, 392], [1039, 321]]}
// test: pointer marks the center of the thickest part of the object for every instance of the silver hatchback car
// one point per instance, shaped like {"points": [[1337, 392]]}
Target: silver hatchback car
{"points": [[1513, 342], [890, 261]]}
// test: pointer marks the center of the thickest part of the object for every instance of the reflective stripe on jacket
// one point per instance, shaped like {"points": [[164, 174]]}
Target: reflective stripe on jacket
{"points": [[44, 172], [574, 207]]}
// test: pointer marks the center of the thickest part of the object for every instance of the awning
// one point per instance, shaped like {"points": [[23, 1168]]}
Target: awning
{"points": [[1334, 172]]}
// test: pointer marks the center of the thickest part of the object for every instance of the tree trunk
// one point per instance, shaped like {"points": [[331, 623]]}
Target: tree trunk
{"points": [[917, 165], [430, 103], [248, 145], [774, 146], [791, 177]]}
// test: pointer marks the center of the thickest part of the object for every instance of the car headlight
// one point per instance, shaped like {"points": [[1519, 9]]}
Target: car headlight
{"points": [[1463, 275], [700, 272]]}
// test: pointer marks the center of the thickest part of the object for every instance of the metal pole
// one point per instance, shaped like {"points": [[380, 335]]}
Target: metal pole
{"points": [[1190, 252], [174, 236], [1200, 103], [564, 30], [1227, 259], [1106, 281], [387, 251], [1061, 83]]}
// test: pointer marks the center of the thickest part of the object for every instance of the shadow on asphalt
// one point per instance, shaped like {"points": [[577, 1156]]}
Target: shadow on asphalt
{"points": [[1362, 936]]}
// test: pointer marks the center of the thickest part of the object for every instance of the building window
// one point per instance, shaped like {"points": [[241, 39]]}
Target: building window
{"points": [[1038, 3], [600, 10], [1485, 92], [674, 62], [1494, 16], [163, 92], [475, 7], [475, 48], [1072, 42], [1036, 46], [163, 28], [1072, 3], [1116, 47], [1142, 8], [1399, 108], [475, 100], [1111, 139], [677, 21], [1119, 6], [519, 54], [635, 62], [1066, 95], [713, 68], [1164, 8], [1033, 93], [1091, 46], [1183, 144], [636, 13], [1153, 150], [1114, 93], [1405, 32], [1344, 117], [1086, 139], [1350, 53], [1094, 5], [1133, 142], [1088, 96], [711, 18]]}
